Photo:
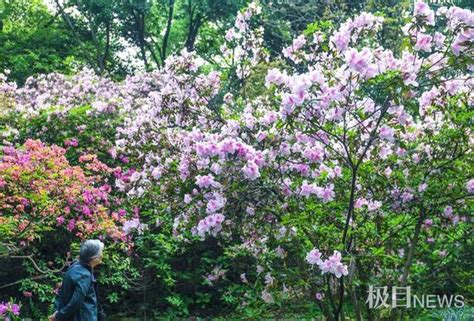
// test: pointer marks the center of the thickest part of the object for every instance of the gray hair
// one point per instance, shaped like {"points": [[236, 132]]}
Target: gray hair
{"points": [[90, 250]]}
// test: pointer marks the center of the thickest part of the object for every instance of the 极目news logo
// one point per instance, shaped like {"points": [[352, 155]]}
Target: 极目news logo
{"points": [[402, 297]]}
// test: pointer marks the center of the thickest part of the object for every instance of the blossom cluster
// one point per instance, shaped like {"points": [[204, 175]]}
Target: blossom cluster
{"points": [[332, 264], [212, 224], [216, 274], [243, 47], [38, 188], [304, 136], [134, 225], [7, 308]]}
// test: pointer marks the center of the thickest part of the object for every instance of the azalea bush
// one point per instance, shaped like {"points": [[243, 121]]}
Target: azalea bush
{"points": [[40, 190], [46, 206], [256, 185], [341, 167]]}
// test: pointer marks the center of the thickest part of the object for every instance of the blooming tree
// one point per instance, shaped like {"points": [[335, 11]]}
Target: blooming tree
{"points": [[356, 133]]}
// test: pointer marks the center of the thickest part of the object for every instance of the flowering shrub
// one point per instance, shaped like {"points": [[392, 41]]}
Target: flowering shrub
{"points": [[337, 152], [47, 206], [40, 191]]}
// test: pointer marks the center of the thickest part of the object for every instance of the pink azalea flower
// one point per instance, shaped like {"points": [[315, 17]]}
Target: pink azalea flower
{"points": [[359, 60], [387, 133], [60, 220], [250, 210], [470, 186], [27, 294], [206, 181], [261, 136], [15, 309], [423, 42], [439, 39], [448, 211], [215, 204], [454, 219], [407, 196], [269, 279], [327, 194], [187, 199], [387, 172], [341, 39], [267, 297], [306, 189], [288, 103], [423, 11], [134, 225], [337, 171], [428, 222], [211, 224], [333, 265], [374, 205], [86, 210], [71, 225], [156, 173], [401, 252], [360, 202], [384, 152], [313, 154], [422, 187], [251, 170], [229, 36], [314, 257], [3, 308]]}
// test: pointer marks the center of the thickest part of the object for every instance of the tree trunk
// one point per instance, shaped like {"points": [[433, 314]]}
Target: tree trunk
{"points": [[167, 32]]}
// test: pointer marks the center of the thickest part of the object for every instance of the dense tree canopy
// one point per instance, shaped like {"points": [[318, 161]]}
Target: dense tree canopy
{"points": [[32, 41]]}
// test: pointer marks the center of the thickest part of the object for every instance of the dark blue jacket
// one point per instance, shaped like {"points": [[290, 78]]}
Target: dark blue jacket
{"points": [[77, 299]]}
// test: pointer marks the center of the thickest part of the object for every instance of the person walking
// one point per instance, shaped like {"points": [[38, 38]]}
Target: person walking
{"points": [[78, 296]]}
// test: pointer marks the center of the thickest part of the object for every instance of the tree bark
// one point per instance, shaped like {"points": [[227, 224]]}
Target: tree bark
{"points": [[193, 30], [413, 245], [68, 22], [167, 32]]}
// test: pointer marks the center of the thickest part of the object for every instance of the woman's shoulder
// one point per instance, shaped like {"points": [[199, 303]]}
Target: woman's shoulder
{"points": [[77, 270]]}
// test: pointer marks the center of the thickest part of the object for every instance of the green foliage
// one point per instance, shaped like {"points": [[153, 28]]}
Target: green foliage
{"points": [[94, 133], [33, 40]]}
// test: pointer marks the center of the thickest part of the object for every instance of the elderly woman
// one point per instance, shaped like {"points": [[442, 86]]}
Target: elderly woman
{"points": [[78, 298]]}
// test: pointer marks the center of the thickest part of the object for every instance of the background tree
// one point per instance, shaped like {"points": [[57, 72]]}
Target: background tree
{"points": [[33, 40]]}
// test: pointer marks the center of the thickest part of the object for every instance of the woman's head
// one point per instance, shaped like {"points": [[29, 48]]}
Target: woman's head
{"points": [[91, 252]]}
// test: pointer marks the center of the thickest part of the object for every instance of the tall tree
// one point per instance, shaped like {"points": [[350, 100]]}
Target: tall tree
{"points": [[34, 40]]}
